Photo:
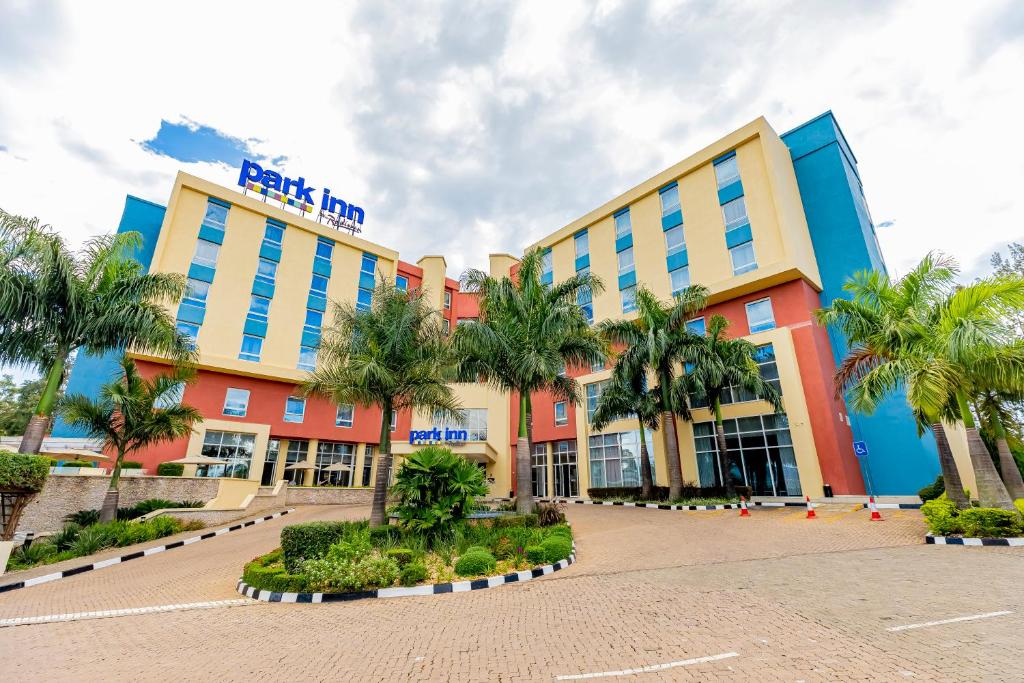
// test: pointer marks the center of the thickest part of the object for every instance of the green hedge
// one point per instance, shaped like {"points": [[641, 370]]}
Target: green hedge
{"points": [[944, 519], [556, 548], [170, 469], [131, 465], [311, 541], [268, 573], [475, 563], [23, 472]]}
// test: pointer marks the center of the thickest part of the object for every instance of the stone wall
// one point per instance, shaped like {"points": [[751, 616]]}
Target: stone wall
{"points": [[64, 494], [323, 495]]}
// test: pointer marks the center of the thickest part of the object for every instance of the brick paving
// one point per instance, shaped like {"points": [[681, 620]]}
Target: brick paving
{"points": [[795, 599]]}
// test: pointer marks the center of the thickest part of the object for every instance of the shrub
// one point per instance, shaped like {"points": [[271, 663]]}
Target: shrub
{"points": [[351, 565], [549, 514], [23, 472], [509, 521], [402, 556], [504, 549], [84, 518], [535, 554], [65, 538], [1019, 504], [170, 469], [941, 516], [689, 491], [137, 533], [192, 525], [77, 463], [36, 553], [476, 549], [413, 573], [933, 490], [560, 530], [475, 563], [556, 548], [131, 465], [164, 526], [93, 539], [312, 540], [990, 522], [384, 534], [191, 504], [436, 489], [268, 573]]}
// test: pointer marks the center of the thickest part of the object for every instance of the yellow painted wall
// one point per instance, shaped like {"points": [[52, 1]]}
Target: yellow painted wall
{"points": [[259, 454]]}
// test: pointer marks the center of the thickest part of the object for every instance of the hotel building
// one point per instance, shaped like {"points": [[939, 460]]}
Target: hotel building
{"points": [[771, 224]]}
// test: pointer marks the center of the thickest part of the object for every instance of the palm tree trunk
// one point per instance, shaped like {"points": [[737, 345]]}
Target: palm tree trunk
{"points": [[108, 511], [668, 428], [950, 474], [378, 509], [1007, 465], [723, 452], [991, 491], [646, 480], [39, 424], [524, 489]]}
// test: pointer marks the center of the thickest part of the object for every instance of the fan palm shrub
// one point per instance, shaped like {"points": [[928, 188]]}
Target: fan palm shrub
{"points": [[628, 396], [436, 488]]}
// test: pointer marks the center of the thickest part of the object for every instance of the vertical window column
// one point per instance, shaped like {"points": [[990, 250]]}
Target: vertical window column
{"points": [[585, 298], [624, 256], [677, 260], [192, 310], [367, 281], [738, 238], [316, 304], [547, 269], [263, 286]]}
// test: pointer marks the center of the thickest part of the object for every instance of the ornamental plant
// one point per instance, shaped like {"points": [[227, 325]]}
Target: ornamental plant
{"points": [[21, 478], [436, 489]]}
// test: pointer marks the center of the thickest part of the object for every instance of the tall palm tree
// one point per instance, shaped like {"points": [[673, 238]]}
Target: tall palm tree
{"points": [[991, 409], [714, 364], [942, 342], [526, 334], [394, 356], [654, 343], [54, 302], [130, 414], [628, 396]]}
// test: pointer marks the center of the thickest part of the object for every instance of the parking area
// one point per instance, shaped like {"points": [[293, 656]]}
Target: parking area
{"points": [[655, 595]]}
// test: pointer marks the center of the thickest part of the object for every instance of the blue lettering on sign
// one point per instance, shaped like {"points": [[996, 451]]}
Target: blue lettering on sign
{"points": [[435, 435], [860, 449], [253, 174]]}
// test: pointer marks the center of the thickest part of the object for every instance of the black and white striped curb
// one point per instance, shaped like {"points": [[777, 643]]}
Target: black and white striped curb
{"points": [[666, 506], [403, 592], [110, 562], [950, 540], [895, 506]]}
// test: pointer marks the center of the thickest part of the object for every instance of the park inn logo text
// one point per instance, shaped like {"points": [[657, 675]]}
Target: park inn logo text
{"points": [[279, 187]]}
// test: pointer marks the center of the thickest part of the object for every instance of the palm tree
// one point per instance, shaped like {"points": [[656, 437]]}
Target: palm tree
{"points": [[628, 396], [130, 414], [654, 343], [54, 303], [394, 356], [526, 334], [991, 409], [943, 343], [714, 364]]}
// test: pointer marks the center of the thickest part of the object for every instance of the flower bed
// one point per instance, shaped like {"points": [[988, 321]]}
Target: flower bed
{"points": [[946, 521]]}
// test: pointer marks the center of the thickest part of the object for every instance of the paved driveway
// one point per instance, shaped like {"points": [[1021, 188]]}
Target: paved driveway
{"points": [[655, 595]]}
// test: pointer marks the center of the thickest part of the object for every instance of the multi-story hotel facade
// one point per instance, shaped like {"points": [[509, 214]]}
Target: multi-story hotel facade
{"points": [[771, 225]]}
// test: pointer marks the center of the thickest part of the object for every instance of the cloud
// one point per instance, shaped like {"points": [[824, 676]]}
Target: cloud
{"points": [[192, 142], [30, 34]]}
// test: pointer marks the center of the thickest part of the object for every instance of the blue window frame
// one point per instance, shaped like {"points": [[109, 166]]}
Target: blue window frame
{"points": [[675, 240], [273, 235], [252, 347], [314, 321], [727, 172], [318, 285], [236, 402], [402, 283], [259, 308], [670, 200], [626, 264], [294, 409], [307, 358], [345, 415], [266, 271], [760, 316], [585, 299], [216, 215], [206, 253], [561, 414], [697, 326], [363, 299], [190, 330], [546, 264], [582, 242], [623, 226], [324, 249], [196, 292], [680, 279], [735, 213], [368, 264], [628, 299], [743, 259]]}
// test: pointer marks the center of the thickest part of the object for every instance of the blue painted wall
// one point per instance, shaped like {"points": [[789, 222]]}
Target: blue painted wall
{"points": [[89, 372], [843, 235]]}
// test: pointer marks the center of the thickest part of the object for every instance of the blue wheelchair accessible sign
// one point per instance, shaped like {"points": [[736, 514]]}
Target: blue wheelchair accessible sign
{"points": [[860, 449]]}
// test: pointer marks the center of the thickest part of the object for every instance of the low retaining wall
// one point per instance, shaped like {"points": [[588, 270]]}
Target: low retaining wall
{"points": [[323, 495], [64, 494]]}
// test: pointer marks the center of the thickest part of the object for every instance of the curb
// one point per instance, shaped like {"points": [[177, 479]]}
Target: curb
{"points": [[111, 561], [666, 506], [895, 506], [948, 540], [403, 592]]}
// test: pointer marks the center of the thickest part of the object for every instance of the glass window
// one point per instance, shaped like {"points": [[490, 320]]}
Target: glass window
{"points": [[402, 283], [196, 292], [307, 358], [539, 469], [561, 414], [735, 213], [626, 264], [344, 416], [760, 316], [394, 420], [623, 226], [473, 420], [314, 320], [318, 285], [368, 264], [674, 240], [236, 402], [266, 271], [364, 299], [252, 347], [594, 390], [170, 398], [696, 326], [259, 308], [743, 260], [270, 463], [727, 172], [670, 200], [233, 447], [446, 325], [216, 215], [566, 477], [760, 454], [332, 459], [367, 464], [206, 254], [680, 279], [615, 459], [447, 299], [294, 409], [628, 299], [584, 298], [190, 330], [546, 262], [273, 235], [582, 241], [298, 451], [597, 367], [324, 249], [766, 365]]}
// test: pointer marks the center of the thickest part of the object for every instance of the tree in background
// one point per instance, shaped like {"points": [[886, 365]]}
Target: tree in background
{"points": [[17, 403], [130, 414]]}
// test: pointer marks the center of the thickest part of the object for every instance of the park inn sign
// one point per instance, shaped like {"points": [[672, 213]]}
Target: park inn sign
{"points": [[296, 193], [437, 435]]}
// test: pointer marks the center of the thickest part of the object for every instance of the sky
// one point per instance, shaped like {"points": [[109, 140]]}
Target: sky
{"points": [[466, 128]]}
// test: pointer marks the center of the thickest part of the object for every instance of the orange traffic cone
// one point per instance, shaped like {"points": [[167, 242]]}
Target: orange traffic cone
{"points": [[810, 508], [744, 512], [875, 515]]}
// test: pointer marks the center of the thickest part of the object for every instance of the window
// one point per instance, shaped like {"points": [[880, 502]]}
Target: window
{"points": [[615, 459], [446, 324], [298, 451], [266, 271], [623, 226], [216, 215], [593, 395], [626, 264], [760, 316], [394, 420], [670, 200], [318, 285], [696, 326], [170, 398], [735, 213], [273, 235], [546, 263], [324, 249], [628, 299], [368, 264], [364, 299], [367, 464], [680, 279], [196, 292], [402, 283], [727, 172], [743, 260], [234, 447], [597, 367], [294, 409], [447, 300], [539, 469], [473, 420], [766, 365], [314, 321], [307, 358], [566, 478], [236, 402], [585, 298], [760, 454], [331, 460], [674, 240], [206, 254], [344, 416], [270, 462], [561, 414], [259, 308], [582, 241], [252, 347], [190, 330]]}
